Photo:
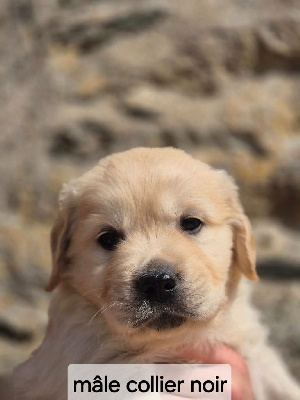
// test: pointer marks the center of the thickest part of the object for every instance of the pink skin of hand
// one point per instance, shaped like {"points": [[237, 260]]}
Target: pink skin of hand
{"points": [[240, 388]]}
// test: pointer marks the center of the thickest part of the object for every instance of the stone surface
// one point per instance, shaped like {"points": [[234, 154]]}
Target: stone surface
{"points": [[80, 80], [280, 302]]}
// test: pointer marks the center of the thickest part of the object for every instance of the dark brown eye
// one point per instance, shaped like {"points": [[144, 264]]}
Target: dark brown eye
{"points": [[191, 224], [109, 239]]}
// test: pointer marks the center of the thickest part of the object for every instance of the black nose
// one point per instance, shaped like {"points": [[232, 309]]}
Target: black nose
{"points": [[157, 285]]}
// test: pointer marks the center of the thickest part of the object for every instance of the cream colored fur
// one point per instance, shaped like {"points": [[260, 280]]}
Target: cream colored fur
{"points": [[144, 193]]}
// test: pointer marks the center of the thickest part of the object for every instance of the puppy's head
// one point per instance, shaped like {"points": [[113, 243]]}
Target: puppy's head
{"points": [[153, 238]]}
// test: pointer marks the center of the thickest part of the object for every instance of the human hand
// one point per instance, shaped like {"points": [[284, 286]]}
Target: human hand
{"points": [[240, 379]]}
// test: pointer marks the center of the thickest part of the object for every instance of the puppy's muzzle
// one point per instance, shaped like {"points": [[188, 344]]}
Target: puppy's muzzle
{"points": [[157, 286], [159, 297]]}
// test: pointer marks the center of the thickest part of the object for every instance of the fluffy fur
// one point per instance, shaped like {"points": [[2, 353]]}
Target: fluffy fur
{"points": [[94, 316]]}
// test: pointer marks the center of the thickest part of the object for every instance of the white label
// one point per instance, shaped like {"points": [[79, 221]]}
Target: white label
{"points": [[149, 381]]}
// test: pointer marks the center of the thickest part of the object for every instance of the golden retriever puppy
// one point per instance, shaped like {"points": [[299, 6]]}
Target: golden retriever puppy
{"points": [[151, 251]]}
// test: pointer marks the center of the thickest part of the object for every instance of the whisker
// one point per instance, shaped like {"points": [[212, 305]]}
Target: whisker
{"points": [[89, 291], [90, 321], [103, 309]]}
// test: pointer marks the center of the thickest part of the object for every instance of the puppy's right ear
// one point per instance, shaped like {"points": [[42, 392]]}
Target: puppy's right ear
{"points": [[61, 234]]}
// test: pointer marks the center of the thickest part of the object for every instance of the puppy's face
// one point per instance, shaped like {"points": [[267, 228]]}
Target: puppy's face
{"points": [[153, 238]]}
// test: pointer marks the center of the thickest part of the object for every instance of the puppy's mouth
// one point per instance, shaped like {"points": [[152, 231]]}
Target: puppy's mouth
{"points": [[159, 318], [166, 321]]}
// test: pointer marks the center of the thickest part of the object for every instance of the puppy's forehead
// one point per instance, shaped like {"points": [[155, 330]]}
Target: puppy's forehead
{"points": [[152, 184]]}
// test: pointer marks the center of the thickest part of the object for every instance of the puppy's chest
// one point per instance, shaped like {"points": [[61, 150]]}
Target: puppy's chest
{"points": [[177, 352]]}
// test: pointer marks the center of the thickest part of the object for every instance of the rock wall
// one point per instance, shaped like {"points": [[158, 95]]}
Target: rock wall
{"points": [[81, 79]]}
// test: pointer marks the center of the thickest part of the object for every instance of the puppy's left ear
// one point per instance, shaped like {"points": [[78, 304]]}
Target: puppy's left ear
{"points": [[244, 247], [243, 256], [61, 235]]}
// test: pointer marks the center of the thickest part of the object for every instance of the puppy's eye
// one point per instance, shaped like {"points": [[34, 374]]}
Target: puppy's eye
{"points": [[109, 239], [191, 224]]}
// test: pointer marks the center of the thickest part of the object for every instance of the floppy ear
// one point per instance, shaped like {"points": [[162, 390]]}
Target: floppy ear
{"points": [[61, 235], [243, 240], [243, 247]]}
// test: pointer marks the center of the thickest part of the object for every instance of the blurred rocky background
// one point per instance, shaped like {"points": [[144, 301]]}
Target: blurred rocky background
{"points": [[83, 78]]}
